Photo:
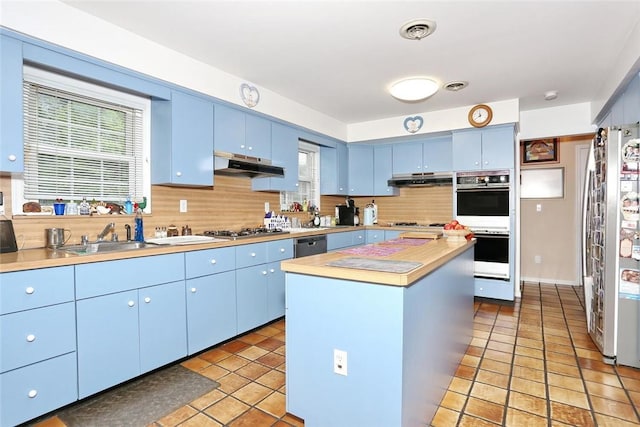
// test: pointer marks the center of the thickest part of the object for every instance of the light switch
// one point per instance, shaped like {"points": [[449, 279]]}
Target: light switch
{"points": [[539, 207]]}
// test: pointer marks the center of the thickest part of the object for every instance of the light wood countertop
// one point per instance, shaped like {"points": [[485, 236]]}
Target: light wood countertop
{"points": [[42, 257], [431, 255]]}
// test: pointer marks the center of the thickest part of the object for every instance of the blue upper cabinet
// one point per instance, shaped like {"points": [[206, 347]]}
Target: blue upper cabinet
{"points": [[427, 155], [334, 169], [240, 133], [11, 130], [383, 170], [631, 103], [182, 141], [360, 170], [407, 158], [437, 154], [490, 148], [284, 152]]}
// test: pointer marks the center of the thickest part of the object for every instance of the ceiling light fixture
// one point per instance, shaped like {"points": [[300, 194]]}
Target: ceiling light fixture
{"points": [[417, 29], [551, 95], [456, 85], [413, 88]]}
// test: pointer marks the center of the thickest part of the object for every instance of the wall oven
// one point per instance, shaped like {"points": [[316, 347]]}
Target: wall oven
{"points": [[483, 202]]}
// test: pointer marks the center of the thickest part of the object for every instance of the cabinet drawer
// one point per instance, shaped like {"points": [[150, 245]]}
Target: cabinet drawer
{"points": [[497, 289], [24, 290], [339, 240], [210, 261], [102, 278], [278, 250], [252, 254], [36, 389], [34, 335]]}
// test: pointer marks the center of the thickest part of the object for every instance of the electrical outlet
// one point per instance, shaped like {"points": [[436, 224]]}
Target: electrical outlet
{"points": [[539, 207], [537, 259], [340, 362], [183, 206]]}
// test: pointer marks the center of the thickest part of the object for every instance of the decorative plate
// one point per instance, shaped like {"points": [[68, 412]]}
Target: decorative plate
{"points": [[249, 95], [413, 124]]}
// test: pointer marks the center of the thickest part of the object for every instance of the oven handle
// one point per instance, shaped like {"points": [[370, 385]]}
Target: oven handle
{"points": [[480, 189], [492, 235]]}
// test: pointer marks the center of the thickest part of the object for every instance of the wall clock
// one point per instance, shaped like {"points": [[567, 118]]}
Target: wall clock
{"points": [[480, 115], [249, 95]]}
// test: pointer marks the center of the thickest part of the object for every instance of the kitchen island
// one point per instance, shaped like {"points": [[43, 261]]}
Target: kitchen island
{"points": [[402, 334]]}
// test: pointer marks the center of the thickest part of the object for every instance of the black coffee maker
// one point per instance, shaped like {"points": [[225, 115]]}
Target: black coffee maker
{"points": [[347, 214]]}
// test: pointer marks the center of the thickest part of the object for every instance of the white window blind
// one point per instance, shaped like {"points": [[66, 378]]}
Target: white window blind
{"points": [[79, 146]]}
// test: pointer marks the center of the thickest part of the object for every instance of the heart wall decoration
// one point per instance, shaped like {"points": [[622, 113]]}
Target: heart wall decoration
{"points": [[249, 95], [413, 124]]}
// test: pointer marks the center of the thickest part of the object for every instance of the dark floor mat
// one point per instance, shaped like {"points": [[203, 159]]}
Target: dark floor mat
{"points": [[139, 402]]}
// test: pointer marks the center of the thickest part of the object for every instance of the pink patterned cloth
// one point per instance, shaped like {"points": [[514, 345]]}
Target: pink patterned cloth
{"points": [[388, 247], [406, 242]]}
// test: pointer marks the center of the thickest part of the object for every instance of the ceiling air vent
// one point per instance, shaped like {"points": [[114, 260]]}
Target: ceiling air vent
{"points": [[417, 29], [455, 86]]}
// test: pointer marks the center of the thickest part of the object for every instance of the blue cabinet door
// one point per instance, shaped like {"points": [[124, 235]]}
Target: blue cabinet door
{"points": [[162, 325], [467, 150], [182, 141], [407, 158], [360, 170], [192, 140], [53, 381], [343, 168], [251, 254], [339, 240], [257, 137], [375, 236], [437, 155], [251, 294], [390, 235], [358, 237], [11, 129], [275, 291], [498, 148], [211, 310], [284, 152], [108, 344], [383, 170], [229, 130]]}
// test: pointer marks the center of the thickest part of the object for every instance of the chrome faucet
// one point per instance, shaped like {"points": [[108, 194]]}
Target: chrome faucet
{"points": [[110, 227]]}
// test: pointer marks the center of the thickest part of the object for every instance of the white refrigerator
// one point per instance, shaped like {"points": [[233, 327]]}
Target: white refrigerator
{"points": [[611, 245]]}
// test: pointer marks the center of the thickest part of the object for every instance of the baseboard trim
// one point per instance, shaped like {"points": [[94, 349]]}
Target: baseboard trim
{"points": [[549, 281]]}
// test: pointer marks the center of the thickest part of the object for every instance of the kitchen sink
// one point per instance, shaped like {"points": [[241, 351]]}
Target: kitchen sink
{"points": [[103, 247]]}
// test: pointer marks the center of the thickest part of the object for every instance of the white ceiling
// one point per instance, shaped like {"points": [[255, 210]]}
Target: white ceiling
{"points": [[338, 57]]}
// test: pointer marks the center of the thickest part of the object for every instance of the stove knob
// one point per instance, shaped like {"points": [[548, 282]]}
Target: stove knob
{"points": [[503, 178], [486, 179]]}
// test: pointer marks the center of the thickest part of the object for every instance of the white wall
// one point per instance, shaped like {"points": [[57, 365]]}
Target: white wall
{"points": [[564, 120], [66, 26]]}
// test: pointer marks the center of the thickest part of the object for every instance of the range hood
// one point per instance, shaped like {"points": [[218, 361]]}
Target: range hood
{"points": [[240, 165], [431, 179]]}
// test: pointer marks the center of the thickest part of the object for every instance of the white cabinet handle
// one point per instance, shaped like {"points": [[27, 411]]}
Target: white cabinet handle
{"points": [[131, 303], [282, 250], [147, 300], [264, 272], [476, 163], [193, 290], [32, 393], [250, 148], [30, 290], [242, 146], [272, 270], [213, 261], [12, 157], [178, 173], [253, 254], [31, 338], [486, 162]]}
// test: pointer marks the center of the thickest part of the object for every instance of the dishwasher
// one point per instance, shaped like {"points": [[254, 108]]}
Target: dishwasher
{"points": [[312, 245]]}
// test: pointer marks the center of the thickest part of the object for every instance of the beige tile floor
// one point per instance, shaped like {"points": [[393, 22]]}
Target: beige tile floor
{"points": [[528, 364]]}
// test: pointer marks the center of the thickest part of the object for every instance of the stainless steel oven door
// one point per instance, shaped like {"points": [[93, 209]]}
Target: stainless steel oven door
{"points": [[491, 257]]}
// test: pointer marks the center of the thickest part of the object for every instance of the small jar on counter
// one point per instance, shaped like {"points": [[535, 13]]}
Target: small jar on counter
{"points": [[172, 231]]}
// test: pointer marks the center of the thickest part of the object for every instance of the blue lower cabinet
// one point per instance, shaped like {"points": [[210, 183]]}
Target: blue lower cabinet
{"points": [[125, 334], [211, 310], [34, 335], [375, 236], [339, 241], [36, 389], [390, 235], [108, 344], [275, 291], [498, 289], [162, 314], [251, 294]]}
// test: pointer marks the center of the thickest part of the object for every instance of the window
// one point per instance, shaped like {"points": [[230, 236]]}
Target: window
{"points": [[82, 140], [308, 177]]}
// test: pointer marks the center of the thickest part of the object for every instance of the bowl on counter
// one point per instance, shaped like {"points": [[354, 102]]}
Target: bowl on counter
{"points": [[456, 234]]}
